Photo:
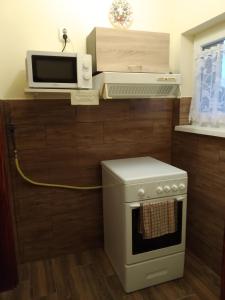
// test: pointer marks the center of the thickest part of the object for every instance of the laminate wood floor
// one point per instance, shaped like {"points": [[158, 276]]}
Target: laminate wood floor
{"points": [[89, 276]]}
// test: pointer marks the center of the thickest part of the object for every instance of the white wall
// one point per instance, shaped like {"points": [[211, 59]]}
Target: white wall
{"points": [[33, 25], [191, 13], [212, 34], [191, 18]]}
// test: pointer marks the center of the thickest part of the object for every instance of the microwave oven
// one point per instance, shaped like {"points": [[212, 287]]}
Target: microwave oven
{"points": [[58, 70]]}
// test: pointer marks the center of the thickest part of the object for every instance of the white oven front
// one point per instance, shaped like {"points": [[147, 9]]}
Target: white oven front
{"points": [[138, 249]]}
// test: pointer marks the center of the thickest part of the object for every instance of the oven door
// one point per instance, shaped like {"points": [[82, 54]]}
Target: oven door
{"points": [[139, 249]]}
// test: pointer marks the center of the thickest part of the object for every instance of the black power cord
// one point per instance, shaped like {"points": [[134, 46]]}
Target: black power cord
{"points": [[65, 37]]}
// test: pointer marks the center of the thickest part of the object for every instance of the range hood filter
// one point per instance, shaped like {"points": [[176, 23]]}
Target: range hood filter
{"points": [[118, 91], [113, 85]]}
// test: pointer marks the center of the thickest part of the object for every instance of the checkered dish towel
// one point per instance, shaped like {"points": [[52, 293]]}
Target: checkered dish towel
{"points": [[158, 218]]}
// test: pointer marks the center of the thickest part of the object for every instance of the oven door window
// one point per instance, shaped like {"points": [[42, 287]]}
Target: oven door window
{"points": [[140, 245]]}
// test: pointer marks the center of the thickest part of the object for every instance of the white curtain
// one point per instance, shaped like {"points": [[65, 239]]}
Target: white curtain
{"points": [[208, 103]]}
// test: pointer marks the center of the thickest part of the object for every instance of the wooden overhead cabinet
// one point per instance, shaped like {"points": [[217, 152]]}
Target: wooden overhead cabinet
{"points": [[118, 50]]}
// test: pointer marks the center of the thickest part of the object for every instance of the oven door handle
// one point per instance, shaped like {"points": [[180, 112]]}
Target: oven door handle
{"points": [[134, 205], [180, 198], [137, 204]]}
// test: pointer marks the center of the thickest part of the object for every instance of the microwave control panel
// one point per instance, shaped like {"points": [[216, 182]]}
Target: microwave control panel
{"points": [[84, 71]]}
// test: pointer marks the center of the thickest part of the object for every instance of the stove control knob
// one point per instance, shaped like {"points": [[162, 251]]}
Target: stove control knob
{"points": [[141, 192], [166, 188], [174, 187], [181, 186], [159, 190]]}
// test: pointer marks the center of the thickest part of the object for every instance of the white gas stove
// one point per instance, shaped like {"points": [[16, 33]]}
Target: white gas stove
{"points": [[128, 183]]}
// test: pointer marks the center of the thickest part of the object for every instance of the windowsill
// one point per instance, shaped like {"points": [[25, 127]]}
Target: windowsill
{"points": [[220, 132]]}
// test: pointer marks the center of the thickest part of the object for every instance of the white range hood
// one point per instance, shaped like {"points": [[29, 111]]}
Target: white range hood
{"points": [[116, 85]]}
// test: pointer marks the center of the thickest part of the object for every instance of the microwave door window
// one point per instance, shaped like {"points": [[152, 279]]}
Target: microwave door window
{"points": [[54, 69]]}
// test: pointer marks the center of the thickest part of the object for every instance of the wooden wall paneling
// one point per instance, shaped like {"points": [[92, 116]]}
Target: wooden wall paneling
{"points": [[30, 136], [35, 238], [127, 131], [89, 133], [60, 143], [223, 271], [202, 158], [185, 103], [41, 112], [68, 202], [39, 208], [205, 252], [176, 112], [8, 261], [60, 135], [91, 156], [156, 109], [83, 228], [118, 110], [181, 110]]}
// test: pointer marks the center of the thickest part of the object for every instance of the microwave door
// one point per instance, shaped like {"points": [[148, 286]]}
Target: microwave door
{"points": [[54, 71]]}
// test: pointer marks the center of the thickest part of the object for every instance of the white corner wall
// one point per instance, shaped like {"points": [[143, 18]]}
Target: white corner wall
{"points": [[192, 18], [33, 25], [191, 13]]}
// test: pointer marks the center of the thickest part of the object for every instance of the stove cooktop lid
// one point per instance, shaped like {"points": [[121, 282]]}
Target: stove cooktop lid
{"points": [[142, 169]]}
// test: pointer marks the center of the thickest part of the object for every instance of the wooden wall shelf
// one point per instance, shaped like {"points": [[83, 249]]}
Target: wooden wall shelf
{"points": [[77, 97], [50, 93]]}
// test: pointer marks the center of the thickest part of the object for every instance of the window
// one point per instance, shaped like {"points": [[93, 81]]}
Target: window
{"points": [[208, 104]]}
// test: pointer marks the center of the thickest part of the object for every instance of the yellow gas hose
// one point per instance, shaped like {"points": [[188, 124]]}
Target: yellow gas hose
{"points": [[51, 184]]}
